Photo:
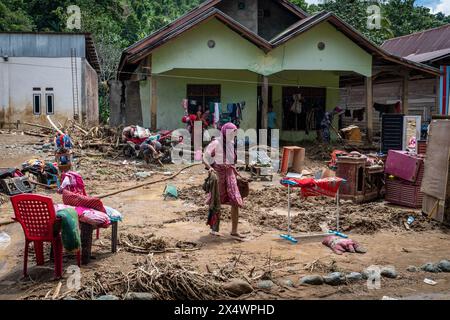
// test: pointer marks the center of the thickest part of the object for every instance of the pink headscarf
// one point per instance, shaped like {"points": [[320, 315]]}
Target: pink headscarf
{"points": [[228, 130]]}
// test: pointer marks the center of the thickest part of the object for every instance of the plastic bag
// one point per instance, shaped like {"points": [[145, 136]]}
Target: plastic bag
{"points": [[5, 240]]}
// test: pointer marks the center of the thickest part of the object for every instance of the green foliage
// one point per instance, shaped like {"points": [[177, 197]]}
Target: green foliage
{"points": [[399, 17]]}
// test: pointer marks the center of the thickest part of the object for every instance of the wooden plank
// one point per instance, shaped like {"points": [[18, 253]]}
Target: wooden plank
{"points": [[369, 108], [265, 97], [154, 105], [405, 93]]}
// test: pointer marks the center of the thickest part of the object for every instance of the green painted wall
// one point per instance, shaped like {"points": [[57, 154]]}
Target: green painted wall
{"points": [[145, 93], [190, 51], [340, 53], [235, 85]]}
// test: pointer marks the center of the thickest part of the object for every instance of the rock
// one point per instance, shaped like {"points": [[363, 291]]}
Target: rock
{"points": [[107, 297], [313, 280], [47, 146], [389, 272], [412, 269], [430, 267], [444, 265], [238, 287], [370, 273], [334, 279], [265, 284], [354, 276], [139, 296], [142, 175], [289, 283]]}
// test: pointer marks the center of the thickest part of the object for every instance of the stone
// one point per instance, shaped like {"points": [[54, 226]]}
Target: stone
{"points": [[412, 269], [238, 287], [389, 272], [334, 279], [289, 283], [366, 273], [315, 280], [265, 284], [444, 265], [47, 146], [142, 175], [108, 297], [354, 276], [430, 267], [139, 296]]}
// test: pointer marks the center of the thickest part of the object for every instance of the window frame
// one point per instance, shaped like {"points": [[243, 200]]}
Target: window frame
{"points": [[34, 104], [53, 103]]}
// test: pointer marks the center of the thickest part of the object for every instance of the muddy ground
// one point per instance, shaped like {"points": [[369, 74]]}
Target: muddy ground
{"points": [[175, 231]]}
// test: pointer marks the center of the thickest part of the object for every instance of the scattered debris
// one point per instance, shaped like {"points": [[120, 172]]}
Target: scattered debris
{"points": [[430, 282], [164, 279]]}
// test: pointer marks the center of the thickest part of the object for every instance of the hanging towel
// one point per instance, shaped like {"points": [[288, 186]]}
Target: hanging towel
{"points": [[297, 105]]}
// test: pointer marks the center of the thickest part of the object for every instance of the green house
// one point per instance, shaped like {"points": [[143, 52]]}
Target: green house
{"points": [[261, 52]]}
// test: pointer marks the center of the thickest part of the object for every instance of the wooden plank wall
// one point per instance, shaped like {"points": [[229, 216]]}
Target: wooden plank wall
{"points": [[422, 100]]}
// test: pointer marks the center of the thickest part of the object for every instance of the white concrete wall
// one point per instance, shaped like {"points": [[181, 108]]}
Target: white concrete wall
{"points": [[19, 76]]}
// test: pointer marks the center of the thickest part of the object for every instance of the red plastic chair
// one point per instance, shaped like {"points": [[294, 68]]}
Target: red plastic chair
{"points": [[37, 216]]}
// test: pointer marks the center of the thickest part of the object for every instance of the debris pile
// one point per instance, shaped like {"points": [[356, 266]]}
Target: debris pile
{"points": [[164, 279]]}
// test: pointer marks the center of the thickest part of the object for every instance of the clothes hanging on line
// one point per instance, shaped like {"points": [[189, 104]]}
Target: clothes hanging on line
{"points": [[359, 114], [297, 105]]}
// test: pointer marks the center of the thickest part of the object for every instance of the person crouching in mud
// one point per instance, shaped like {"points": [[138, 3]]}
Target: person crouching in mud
{"points": [[220, 158], [152, 147]]}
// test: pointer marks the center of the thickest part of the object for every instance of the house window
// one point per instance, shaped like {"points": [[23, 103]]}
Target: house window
{"points": [[36, 104], [200, 95], [36, 89], [49, 99], [48, 89], [307, 113]]}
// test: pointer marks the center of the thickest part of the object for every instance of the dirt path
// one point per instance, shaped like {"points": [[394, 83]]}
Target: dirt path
{"points": [[182, 222]]}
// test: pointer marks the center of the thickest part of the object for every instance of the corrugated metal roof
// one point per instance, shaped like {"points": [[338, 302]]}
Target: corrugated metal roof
{"points": [[429, 56], [418, 43], [48, 45]]}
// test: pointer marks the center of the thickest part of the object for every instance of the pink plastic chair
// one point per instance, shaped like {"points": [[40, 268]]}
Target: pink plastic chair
{"points": [[36, 214]]}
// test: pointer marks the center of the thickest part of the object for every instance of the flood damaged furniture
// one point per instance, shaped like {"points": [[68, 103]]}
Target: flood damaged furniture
{"points": [[436, 180], [36, 214], [363, 182]]}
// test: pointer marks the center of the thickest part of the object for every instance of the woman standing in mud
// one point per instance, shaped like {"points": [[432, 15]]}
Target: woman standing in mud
{"points": [[220, 158]]}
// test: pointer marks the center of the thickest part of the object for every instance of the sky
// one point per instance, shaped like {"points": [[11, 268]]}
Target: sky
{"points": [[435, 5]]}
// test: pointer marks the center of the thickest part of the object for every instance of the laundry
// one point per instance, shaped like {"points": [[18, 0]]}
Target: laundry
{"points": [[359, 114], [211, 186], [70, 231]]}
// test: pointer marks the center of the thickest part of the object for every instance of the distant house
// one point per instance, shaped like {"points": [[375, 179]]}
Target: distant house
{"points": [[261, 52], [431, 47], [48, 74], [425, 94]]}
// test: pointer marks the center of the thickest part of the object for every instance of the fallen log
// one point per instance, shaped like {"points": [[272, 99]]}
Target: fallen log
{"points": [[34, 134], [147, 183], [37, 125]]}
